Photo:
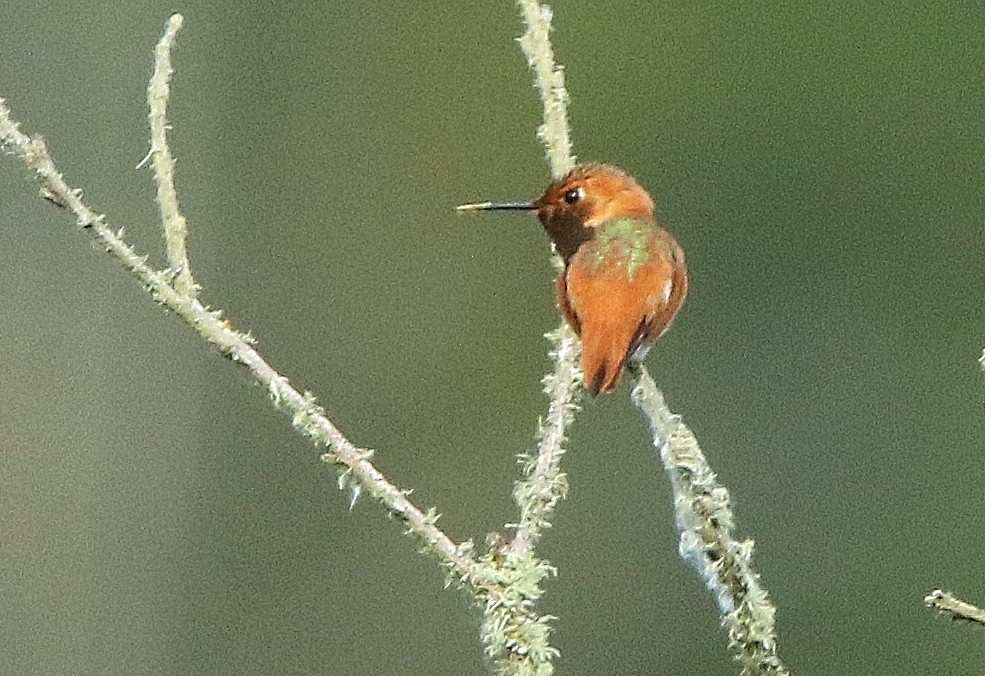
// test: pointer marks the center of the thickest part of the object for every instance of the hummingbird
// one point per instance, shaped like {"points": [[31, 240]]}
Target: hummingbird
{"points": [[624, 277]]}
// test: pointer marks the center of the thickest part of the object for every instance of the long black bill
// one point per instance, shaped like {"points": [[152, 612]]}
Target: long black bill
{"points": [[497, 206]]}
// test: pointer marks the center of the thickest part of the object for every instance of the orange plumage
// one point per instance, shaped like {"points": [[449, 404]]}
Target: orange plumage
{"points": [[624, 276], [619, 316]]}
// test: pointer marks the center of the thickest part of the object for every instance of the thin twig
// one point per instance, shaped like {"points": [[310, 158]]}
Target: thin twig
{"points": [[516, 638], [545, 484], [175, 226], [549, 80], [950, 605]]}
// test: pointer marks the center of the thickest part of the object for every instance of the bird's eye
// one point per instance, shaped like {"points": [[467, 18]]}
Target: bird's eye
{"points": [[574, 195]]}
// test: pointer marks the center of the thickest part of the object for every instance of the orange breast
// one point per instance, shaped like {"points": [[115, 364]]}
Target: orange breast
{"points": [[618, 310]]}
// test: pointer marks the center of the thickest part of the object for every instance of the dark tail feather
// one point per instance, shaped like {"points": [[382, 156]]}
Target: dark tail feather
{"points": [[604, 378], [604, 352]]}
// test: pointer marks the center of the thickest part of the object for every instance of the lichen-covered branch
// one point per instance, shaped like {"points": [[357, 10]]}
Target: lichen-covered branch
{"points": [[307, 417], [506, 579], [358, 473], [505, 591], [549, 80], [175, 226], [543, 484], [950, 605], [705, 522]]}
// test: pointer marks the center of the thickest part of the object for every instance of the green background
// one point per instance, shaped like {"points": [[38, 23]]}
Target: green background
{"points": [[823, 166]]}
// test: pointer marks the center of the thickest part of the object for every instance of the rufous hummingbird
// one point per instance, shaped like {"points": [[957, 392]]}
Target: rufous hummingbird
{"points": [[624, 276]]}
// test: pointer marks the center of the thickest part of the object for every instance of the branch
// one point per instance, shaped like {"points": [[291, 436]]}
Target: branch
{"points": [[175, 226], [950, 605], [704, 516], [307, 417], [505, 592], [549, 80], [505, 580], [544, 484], [705, 522]]}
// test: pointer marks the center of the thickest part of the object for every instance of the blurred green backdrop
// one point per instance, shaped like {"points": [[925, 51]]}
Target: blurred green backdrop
{"points": [[823, 166]]}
